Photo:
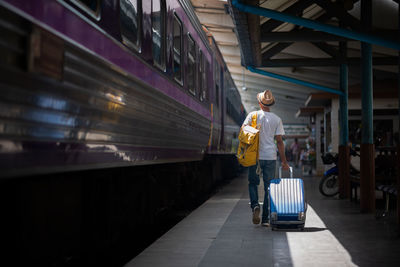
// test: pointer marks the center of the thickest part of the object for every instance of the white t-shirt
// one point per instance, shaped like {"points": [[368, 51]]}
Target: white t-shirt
{"points": [[271, 125]]}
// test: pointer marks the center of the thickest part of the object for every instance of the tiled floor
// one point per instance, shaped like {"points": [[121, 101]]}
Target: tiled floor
{"points": [[220, 233]]}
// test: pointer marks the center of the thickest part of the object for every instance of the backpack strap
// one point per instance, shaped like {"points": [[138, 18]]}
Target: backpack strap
{"points": [[254, 120], [254, 125]]}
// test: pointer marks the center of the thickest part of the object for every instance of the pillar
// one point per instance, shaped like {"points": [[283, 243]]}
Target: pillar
{"points": [[327, 130], [367, 177], [398, 141], [335, 125], [318, 146], [344, 152]]}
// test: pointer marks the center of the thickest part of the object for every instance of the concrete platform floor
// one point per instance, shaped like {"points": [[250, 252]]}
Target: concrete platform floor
{"points": [[220, 233]]}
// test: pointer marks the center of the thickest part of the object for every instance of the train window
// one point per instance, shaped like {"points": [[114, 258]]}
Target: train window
{"points": [[204, 94], [131, 22], [90, 7], [158, 32], [217, 85], [191, 71], [200, 72], [177, 49]]}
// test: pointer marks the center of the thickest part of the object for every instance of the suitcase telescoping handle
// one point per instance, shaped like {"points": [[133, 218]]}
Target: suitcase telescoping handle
{"points": [[290, 169]]}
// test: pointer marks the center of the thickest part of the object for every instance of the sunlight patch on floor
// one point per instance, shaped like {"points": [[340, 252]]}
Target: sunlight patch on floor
{"points": [[316, 245]]}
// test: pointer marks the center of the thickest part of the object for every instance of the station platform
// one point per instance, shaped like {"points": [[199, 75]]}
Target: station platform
{"points": [[220, 233]]}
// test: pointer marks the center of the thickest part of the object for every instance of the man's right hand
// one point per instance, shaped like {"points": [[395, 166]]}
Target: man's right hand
{"points": [[285, 166]]}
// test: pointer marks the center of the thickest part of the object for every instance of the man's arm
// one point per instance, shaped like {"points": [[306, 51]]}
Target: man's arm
{"points": [[247, 121], [281, 149]]}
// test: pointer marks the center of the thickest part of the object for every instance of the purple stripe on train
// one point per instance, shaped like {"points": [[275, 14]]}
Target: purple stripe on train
{"points": [[64, 21]]}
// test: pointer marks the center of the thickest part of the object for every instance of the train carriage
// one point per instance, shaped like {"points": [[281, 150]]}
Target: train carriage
{"points": [[114, 116], [108, 83]]}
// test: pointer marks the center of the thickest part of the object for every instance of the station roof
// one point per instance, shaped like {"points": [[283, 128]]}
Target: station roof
{"points": [[295, 51]]}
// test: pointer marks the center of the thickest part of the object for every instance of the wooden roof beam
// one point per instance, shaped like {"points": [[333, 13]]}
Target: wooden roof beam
{"points": [[276, 49], [253, 22], [295, 9], [304, 35], [337, 10], [328, 49]]}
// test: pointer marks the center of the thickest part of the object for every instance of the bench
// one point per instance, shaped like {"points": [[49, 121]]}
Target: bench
{"points": [[388, 190], [385, 177]]}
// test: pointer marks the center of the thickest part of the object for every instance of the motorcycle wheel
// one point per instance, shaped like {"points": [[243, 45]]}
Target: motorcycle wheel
{"points": [[329, 185]]}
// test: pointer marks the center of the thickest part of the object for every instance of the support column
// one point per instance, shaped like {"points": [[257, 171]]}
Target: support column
{"points": [[398, 140], [253, 22], [344, 171], [367, 177], [318, 144], [398, 176], [344, 152], [327, 130], [335, 125]]}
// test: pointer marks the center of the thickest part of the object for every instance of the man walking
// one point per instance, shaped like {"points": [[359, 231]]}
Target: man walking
{"points": [[271, 129]]}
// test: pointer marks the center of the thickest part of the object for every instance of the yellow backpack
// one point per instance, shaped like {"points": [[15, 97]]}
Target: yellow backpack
{"points": [[247, 153]]}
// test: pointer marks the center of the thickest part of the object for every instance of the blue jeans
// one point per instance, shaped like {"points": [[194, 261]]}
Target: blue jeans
{"points": [[268, 171]]}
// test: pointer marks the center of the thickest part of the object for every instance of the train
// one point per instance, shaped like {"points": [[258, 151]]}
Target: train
{"points": [[113, 113], [99, 84]]}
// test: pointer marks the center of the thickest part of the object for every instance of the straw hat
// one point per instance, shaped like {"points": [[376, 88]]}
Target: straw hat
{"points": [[266, 98]]}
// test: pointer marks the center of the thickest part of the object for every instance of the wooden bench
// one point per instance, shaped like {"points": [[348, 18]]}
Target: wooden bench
{"points": [[388, 191], [385, 177]]}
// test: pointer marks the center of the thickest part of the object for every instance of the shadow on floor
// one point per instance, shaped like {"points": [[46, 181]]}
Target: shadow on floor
{"points": [[369, 242]]}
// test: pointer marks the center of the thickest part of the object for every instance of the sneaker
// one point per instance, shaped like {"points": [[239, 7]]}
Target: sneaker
{"points": [[256, 215], [265, 224]]}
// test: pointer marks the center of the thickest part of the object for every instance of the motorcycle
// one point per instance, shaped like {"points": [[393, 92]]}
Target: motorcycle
{"points": [[329, 184]]}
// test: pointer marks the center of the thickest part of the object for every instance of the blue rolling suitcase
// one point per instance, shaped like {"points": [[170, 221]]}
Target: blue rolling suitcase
{"points": [[287, 203]]}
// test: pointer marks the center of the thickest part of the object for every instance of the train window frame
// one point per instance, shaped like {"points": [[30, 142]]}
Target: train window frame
{"points": [[200, 70], [125, 40], [204, 91], [83, 7], [194, 69], [163, 19], [177, 20], [217, 78]]}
